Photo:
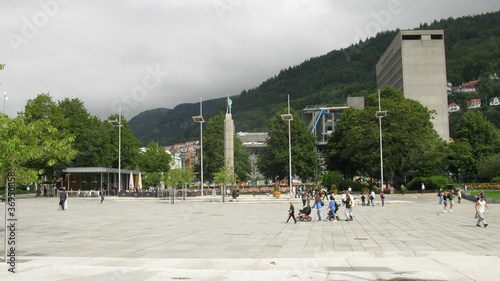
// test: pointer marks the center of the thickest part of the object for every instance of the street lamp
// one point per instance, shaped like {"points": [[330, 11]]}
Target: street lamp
{"points": [[289, 117], [380, 114], [118, 123], [199, 119]]}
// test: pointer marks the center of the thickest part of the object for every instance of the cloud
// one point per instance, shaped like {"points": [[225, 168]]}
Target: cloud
{"points": [[102, 52]]}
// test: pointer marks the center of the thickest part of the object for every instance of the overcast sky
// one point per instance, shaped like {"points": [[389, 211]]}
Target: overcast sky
{"points": [[159, 53]]}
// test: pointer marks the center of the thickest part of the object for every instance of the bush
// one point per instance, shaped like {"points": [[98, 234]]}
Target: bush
{"points": [[432, 183], [331, 178]]}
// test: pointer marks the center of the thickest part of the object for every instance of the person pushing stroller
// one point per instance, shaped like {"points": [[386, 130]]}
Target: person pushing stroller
{"points": [[332, 209], [304, 214]]}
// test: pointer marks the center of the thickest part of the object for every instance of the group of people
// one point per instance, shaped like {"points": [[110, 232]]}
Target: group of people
{"points": [[448, 200], [320, 196], [371, 197]]}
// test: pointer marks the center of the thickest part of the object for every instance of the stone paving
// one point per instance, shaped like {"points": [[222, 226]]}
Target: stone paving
{"points": [[410, 238]]}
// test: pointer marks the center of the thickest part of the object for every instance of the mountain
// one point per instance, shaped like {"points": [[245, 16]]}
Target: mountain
{"points": [[472, 50], [168, 126]]}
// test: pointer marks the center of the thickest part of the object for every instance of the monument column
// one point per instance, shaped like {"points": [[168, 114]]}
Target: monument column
{"points": [[229, 139]]}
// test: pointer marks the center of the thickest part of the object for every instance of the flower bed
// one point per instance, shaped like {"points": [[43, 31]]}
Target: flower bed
{"points": [[484, 186], [261, 190]]}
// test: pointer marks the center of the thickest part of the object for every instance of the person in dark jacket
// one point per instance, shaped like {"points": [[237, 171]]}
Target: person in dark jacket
{"points": [[291, 213]]}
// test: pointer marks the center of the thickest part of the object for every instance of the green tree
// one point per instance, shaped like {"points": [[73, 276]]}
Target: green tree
{"points": [[353, 147], [482, 137], [489, 168], [225, 176], [154, 159], [175, 177], [274, 162], [92, 139], [408, 137], [242, 165], [479, 133], [23, 142], [213, 151], [461, 161], [43, 108], [155, 162]]}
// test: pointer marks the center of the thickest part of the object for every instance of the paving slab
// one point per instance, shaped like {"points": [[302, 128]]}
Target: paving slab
{"points": [[410, 238]]}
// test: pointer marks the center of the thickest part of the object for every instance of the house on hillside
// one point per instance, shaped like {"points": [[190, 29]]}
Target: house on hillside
{"points": [[494, 101], [468, 87], [474, 103], [453, 107]]}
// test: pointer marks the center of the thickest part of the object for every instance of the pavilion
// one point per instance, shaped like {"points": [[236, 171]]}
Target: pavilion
{"points": [[100, 178]]}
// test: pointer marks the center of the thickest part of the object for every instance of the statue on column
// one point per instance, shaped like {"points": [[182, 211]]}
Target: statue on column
{"points": [[229, 104]]}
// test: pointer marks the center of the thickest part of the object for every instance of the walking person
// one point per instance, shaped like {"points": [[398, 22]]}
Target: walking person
{"points": [[63, 197], [402, 189], [102, 195], [348, 208], [459, 196], [308, 198], [318, 204], [444, 199], [423, 188], [332, 209], [372, 197], [382, 198], [304, 198], [480, 211], [450, 199], [440, 196], [291, 213]]}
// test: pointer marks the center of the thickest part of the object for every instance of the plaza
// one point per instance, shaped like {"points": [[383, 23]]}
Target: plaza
{"points": [[410, 238]]}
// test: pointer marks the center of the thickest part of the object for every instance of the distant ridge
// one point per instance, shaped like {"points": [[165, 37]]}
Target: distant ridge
{"points": [[472, 50]]}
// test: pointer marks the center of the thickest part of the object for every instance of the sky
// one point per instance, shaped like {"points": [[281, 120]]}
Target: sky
{"points": [[146, 54]]}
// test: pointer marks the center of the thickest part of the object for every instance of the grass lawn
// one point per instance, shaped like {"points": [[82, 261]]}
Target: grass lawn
{"points": [[489, 194]]}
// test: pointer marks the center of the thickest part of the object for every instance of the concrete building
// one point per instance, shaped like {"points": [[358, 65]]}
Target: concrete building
{"points": [[321, 119], [415, 64], [255, 143]]}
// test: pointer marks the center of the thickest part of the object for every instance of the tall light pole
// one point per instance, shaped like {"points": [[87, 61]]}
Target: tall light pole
{"points": [[380, 114], [289, 117], [118, 123], [199, 119]]}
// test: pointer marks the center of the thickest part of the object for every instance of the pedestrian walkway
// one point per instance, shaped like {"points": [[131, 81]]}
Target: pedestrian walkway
{"points": [[249, 240]]}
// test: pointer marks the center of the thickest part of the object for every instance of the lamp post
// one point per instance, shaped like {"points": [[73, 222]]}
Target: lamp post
{"points": [[289, 117], [199, 119], [380, 114], [118, 123]]}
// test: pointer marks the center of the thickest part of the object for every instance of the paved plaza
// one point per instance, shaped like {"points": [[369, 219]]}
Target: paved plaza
{"points": [[410, 238]]}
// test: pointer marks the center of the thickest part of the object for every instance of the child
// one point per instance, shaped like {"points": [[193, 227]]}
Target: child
{"points": [[291, 213]]}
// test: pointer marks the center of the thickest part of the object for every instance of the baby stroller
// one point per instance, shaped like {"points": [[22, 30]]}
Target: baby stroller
{"points": [[304, 214]]}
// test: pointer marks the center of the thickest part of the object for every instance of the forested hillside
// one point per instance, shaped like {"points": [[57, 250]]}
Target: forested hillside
{"points": [[472, 50]]}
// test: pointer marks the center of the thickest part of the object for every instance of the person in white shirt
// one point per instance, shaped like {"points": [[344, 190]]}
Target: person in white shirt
{"points": [[480, 211]]}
